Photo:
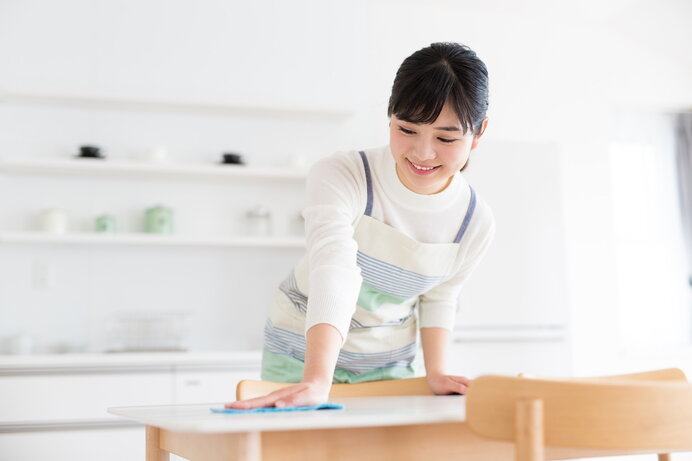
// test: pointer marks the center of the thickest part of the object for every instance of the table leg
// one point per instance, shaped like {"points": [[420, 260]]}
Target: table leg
{"points": [[154, 451]]}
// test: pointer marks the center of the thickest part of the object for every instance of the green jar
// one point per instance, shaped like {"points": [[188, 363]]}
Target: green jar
{"points": [[158, 220], [105, 224]]}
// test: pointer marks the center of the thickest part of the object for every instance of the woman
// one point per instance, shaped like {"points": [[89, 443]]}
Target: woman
{"points": [[392, 234]]}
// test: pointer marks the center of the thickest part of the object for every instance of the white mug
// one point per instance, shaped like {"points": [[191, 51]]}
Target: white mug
{"points": [[55, 220], [298, 162], [157, 154]]}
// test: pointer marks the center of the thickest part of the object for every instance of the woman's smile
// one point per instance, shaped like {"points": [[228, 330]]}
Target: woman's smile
{"points": [[423, 170]]}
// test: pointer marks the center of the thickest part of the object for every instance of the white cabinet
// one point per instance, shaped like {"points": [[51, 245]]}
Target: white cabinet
{"points": [[80, 396], [117, 444], [521, 281], [54, 409], [473, 359], [198, 386]]}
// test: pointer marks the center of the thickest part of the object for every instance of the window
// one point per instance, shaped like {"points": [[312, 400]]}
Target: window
{"points": [[653, 290]]}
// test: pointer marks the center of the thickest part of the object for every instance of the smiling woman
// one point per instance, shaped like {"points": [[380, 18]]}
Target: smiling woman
{"points": [[428, 155], [438, 113], [392, 234]]}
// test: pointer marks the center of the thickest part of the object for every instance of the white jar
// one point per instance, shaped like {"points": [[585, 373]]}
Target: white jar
{"points": [[55, 220], [259, 221], [21, 344], [157, 154]]}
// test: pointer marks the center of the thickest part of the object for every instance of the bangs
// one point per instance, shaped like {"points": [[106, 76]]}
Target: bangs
{"points": [[420, 100]]}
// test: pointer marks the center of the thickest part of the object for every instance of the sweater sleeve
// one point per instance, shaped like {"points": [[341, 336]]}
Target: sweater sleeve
{"points": [[438, 307], [334, 201]]}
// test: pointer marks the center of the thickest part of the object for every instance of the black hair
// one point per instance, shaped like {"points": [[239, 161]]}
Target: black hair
{"points": [[436, 74]]}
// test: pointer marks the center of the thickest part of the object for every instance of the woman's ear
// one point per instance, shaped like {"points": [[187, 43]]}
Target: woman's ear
{"points": [[477, 137]]}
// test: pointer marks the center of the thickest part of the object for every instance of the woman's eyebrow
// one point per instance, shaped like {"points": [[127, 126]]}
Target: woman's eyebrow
{"points": [[447, 128]]}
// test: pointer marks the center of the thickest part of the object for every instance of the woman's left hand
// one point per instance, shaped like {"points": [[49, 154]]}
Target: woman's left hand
{"points": [[445, 384]]}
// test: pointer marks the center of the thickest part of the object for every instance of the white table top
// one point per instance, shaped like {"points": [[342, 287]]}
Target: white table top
{"points": [[358, 412]]}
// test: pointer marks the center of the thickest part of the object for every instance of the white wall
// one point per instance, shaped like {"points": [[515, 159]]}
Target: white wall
{"points": [[557, 73]]}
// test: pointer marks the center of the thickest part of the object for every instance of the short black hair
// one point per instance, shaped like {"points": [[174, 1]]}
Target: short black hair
{"points": [[436, 74]]}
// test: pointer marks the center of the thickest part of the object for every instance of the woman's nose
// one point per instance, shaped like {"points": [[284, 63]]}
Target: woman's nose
{"points": [[425, 150]]}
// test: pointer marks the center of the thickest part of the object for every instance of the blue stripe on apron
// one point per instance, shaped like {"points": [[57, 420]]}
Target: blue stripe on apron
{"points": [[280, 341]]}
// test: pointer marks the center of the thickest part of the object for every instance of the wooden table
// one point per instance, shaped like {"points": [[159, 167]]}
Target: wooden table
{"points": [[427, 428]]}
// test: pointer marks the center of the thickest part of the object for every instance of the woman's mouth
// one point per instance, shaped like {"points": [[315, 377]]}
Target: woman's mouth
{"points": [[421, 169]]}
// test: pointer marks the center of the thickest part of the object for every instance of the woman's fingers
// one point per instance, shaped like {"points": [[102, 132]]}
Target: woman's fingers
{"points": [[461, 379], [267, 400], [308, 396], [461, 388], [460, 383]]}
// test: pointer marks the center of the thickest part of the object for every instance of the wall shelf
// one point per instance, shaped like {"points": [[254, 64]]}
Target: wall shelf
{"points": [[115, 168], [175, 106], [142, 239]]}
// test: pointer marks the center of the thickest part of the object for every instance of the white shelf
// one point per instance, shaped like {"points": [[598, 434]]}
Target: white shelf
{"points": [[115, 168], [176, 106], [149, 240]]}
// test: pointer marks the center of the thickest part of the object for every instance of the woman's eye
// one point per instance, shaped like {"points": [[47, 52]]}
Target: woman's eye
{"points": [[446, 140], [401, 128]]}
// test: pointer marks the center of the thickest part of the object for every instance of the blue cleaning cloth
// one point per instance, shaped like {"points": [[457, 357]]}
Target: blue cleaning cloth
{"points": [[324, 406]]}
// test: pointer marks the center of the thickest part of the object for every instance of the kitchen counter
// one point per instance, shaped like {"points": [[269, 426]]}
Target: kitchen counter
{"points": [[127, 361]]}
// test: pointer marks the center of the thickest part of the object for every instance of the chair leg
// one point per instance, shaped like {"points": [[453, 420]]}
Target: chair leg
{"points": [[664, 457], [528, 426]]}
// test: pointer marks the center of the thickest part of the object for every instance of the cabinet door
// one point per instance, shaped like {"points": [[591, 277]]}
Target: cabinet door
{"points": [[80, 396], [200, 386], [473, 359], [104, 445], [521, 279]]}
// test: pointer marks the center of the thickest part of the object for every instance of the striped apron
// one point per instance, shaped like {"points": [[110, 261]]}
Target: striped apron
{"points": [[381, 341]]}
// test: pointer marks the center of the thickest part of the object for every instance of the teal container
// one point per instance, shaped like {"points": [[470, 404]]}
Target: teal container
{"points": [[158, 220]]}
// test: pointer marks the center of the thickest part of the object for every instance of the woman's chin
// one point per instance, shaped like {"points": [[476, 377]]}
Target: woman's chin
{"points": [[427, 186]]}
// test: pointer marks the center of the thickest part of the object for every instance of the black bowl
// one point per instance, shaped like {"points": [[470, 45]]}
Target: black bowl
{"points": [[90, 152], [231, 158]]}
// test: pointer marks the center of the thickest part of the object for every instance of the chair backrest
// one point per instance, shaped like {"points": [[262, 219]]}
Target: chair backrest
{"points": [[667, 374], [248, 388], [650, 414]]}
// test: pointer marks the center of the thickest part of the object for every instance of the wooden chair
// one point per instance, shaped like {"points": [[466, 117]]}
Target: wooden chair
{"points": [[667, 374], [248, 389], [566, 418]]}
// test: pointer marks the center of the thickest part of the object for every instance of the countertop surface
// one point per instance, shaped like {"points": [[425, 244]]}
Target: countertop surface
{"points": [[128, 360], [357, 412]]}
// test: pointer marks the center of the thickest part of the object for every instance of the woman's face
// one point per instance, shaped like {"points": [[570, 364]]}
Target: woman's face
{"points": [[428, 155]]}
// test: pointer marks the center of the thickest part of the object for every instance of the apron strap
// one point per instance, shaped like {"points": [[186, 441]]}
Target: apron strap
{"points": [[467, 218], [368, 179]]}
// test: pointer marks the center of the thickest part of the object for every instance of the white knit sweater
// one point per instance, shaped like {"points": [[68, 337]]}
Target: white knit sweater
{"points": [[336, 198]]}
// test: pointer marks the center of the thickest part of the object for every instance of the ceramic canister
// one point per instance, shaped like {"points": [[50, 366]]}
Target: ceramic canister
{"points": [[105, 224], [55, 220], [159, 220]]}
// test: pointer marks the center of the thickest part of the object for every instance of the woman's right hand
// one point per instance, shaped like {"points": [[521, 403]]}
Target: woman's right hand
{"points": [[306, 394], [322, 349]]}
